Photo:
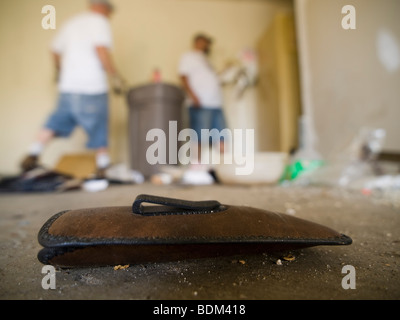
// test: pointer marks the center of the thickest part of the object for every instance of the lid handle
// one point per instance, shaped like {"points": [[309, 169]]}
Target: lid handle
{"points": [[171, 206]]}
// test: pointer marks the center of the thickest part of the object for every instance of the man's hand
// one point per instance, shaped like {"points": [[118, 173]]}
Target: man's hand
{"points": [[118, 84], [57, 64], [189, 91], [105, 57], [196, 101]]}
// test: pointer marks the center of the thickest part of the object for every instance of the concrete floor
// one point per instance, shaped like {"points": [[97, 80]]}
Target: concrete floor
{"points": [[316, 273]]}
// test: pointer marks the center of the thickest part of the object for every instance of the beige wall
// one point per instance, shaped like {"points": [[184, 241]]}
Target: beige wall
{"points": [[148, 34], [345, 86], [279, 98]]}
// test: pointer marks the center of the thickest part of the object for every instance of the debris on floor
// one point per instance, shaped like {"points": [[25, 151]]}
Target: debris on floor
{"points": [[121, 173], [161, 179], [358, 168], [38, 180], [65, 178], [119, 267], [95, 185], [289, 257], [77, 165], [197, 177]]}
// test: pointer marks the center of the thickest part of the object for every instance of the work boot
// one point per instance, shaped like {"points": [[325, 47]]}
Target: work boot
{"points": [[29, 163]]}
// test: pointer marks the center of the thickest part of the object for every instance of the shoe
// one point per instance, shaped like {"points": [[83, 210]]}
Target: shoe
{"points": [[29, 163], [96, 182]]}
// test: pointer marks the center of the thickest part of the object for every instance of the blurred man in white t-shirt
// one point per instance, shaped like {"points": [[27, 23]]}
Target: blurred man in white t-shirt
{"points": [[202, 85], [81, 52]]}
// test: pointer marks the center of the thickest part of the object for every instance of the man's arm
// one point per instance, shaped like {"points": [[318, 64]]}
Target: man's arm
{"points": [[106, 60], [57, 60], [188, 89], [108, 65], [57, 64]]}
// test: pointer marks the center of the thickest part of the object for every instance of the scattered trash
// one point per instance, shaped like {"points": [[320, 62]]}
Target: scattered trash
{"points": [[289, 258], [38, 180], [119, 267], [242, 73], [290, 211], [279, 262], [120, 173], [197, 177], [161, 179], [363, 167], [306, 159], [77, 165], [239, 261], [356, 162], [362, 155], [298, 167], [383, 182], [95, 185]]}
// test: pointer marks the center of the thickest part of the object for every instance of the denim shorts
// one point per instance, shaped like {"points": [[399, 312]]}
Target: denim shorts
{"points": [[206, 118], [87, 111]]}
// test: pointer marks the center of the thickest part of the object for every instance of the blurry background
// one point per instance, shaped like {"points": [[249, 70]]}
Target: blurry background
{"points": [[342, 79]]}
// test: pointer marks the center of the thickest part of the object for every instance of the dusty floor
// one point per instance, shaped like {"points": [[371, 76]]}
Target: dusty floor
{"points": [[316, 273]]}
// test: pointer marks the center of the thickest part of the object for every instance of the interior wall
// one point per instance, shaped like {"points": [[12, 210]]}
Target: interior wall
{"points": [[279, 99], [345, 85], [148, 34]]}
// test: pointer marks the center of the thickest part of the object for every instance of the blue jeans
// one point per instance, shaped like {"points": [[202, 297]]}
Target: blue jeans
{"points": [[88, 111], [206, 118]]}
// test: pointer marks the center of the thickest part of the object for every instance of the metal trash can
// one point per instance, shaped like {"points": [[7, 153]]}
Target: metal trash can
{"points": [[152, 106]]}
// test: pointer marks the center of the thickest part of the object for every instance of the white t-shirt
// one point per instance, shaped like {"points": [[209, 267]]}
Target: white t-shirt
{"points": [[202, 78], [76, 42]]}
